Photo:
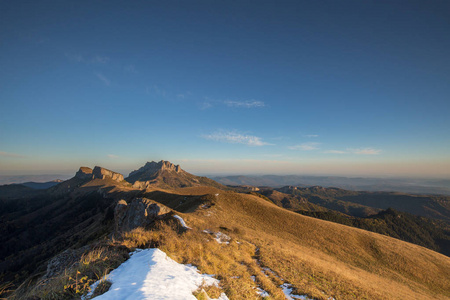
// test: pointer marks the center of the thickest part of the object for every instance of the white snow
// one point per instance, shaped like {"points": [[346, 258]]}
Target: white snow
{"points": [[287, 290], [182, 221], [222, 238], [151, 274], [262, 292]]}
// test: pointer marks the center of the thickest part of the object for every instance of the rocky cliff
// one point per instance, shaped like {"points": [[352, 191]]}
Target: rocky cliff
{"points": [[165, 174], [102, 173], [85, 173]]}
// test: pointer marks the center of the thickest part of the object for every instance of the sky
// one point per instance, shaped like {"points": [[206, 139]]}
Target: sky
{"points": [[353, 88]]}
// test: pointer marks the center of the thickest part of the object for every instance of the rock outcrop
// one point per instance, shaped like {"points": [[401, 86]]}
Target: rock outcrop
{"points": [[84, 173], [151, 168], [141, 212], [165, 174], [102, 173]]}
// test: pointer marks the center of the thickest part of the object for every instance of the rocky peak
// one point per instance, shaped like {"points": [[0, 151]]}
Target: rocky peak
{"points": [[153, 167], [84, 173], [102, 173]]}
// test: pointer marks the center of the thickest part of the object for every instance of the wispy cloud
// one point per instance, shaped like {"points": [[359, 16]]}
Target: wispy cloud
{"points": [[244, 104], [100, 59], [156, 90], [113, 156], [305, 146], [231, 103], [13, 155], [75, 57], [97, 59], [311, 135], [130, 69], [359, 151], [103, 78], [233, 137], [335, 152], [365, 151], [204, 105]]}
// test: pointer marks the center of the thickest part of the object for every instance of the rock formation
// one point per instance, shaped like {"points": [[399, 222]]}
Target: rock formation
{"points": [[151, 168], [141, 212], [84, 173], [165, 174], [102, 173]]}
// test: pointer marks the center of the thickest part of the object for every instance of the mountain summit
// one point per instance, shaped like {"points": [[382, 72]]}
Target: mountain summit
{"points": [[165, 174]]}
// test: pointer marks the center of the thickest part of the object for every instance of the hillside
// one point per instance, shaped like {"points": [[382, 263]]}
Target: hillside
{"points": [[363, 204], [232, 235]]}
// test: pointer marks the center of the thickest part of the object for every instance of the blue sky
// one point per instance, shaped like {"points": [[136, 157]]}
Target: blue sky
{"points": [[235, 87]]}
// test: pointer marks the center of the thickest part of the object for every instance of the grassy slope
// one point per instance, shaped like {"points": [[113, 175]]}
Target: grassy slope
{"points": [[318, 257], [321, 257]]}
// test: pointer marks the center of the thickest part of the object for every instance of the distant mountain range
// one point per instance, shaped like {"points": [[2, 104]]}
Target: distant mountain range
{"points": [[80, 228], [413, 186]]}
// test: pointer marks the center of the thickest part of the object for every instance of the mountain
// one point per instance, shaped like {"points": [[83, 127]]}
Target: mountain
{"points": [[42, 185], [164, 174], [405, 185], [363, 204], [59, 242]]}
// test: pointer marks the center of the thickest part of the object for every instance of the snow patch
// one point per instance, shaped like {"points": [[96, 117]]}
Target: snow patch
{"points": [[287, 290], [262, 292], [222, 238], [183, 224], [151, 274]]}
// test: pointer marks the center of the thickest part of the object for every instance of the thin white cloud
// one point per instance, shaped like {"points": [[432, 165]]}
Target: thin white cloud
{"points": [[155, 90], [130, 69], [103, 78], [359, 151], [204, 105], [13, 155], [365, 151], [305, 146], [75, 57], [100, 59], [232, 103], [112, 156], [335, 152], [235, 138], [244, 104], [311, 135]]}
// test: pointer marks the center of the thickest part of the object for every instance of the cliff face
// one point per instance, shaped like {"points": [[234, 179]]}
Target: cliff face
{"points": [[85, 173], [165, 174], [102, 173], [150, 169]]}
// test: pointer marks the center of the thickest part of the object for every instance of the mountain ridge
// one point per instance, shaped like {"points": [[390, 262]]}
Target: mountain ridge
{"points": [[319, 258]]}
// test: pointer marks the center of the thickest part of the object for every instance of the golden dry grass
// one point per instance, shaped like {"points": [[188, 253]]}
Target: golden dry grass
{"points": [[325, 259], [319, 258]]}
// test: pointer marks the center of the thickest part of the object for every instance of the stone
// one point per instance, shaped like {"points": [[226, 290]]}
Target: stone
{"points": [[141, 212]]}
